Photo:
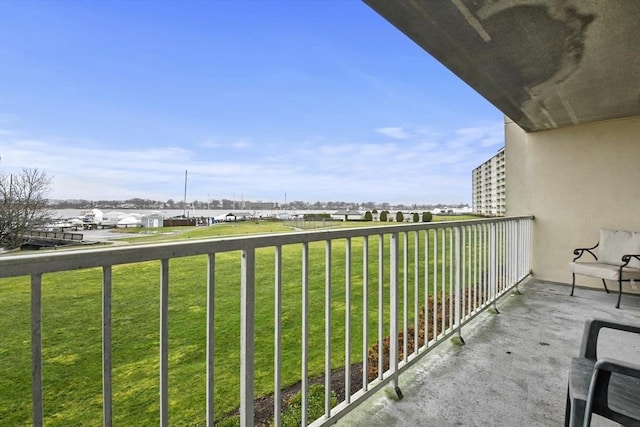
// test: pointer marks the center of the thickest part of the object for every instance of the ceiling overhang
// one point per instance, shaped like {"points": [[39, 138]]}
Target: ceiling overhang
{"points": [[544, 63]]}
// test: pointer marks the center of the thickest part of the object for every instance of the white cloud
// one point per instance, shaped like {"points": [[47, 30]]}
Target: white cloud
{"points": [[237, 144], [416, 168], [393, 132]]}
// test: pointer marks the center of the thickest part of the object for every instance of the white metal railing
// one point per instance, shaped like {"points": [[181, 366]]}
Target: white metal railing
{"points": [[432, 278]]}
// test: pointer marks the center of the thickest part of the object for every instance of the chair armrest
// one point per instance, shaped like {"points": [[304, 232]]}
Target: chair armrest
{"points": [[626, 259], [578, 252], [618, 366], [592, 329], [599, 386]]}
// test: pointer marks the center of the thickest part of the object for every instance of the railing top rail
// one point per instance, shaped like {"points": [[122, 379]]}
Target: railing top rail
{"points": [[38, 263]]}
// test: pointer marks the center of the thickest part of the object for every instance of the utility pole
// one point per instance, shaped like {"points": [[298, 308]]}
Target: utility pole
{"points": [[184, 201]]}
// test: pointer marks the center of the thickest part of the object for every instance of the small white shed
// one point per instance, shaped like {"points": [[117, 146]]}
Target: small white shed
{"points": [[152, 220]]}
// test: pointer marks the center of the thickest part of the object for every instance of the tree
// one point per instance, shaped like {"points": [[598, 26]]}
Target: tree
{"points": [[23, 205], [416, 217], [427, 216], [399, 216], [383, 216], [369, 205], [368, 216]]}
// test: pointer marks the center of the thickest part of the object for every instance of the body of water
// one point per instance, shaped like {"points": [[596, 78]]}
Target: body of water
{"points": [[191, 213]]}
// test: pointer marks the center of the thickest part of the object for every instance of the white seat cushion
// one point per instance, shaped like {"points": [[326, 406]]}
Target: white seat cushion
{"points": [[603, 271]]}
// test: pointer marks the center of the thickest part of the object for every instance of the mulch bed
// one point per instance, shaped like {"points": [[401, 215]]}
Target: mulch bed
{"points": [[263, 406]]}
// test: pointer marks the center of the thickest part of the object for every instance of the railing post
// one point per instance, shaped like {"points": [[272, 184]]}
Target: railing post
{"points": [[416, 292], [443, 283], [380, 305], [106, 347], [435, 284], [347, 325], [247, 332], [164, 343], [393, 320], [493, 261], [426, 287], [365, 311], [519, 253], [36, 349], [277, 346], [211, 286], [452, 279], [458, 279], [405, 295], [327, 328], [305, 333]]}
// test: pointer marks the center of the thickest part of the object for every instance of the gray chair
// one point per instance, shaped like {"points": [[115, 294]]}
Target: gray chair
{"points": [[605, 386]]}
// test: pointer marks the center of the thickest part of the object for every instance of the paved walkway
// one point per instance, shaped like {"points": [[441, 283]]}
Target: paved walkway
{"points": [[513, 369]]}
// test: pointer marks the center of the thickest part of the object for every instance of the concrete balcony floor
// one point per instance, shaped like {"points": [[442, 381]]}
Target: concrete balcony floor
{"points": [[513, 369]]}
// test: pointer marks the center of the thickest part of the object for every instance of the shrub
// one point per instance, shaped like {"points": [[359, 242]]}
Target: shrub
{"points": [[416, 217], [368, 216], [427, 216], [383, 216], [399, 217]]}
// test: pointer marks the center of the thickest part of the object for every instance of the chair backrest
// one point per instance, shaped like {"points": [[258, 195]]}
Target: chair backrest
{"points": [[615, 243]]}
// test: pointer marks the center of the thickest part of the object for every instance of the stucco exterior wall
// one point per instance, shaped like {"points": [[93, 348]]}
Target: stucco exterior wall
{"points": [[575, 181]]}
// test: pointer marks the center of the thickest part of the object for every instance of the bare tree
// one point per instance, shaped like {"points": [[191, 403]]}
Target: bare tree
{"points": [[23, 205]]}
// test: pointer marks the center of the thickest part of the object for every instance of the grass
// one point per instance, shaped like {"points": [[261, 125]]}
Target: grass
{"points": [[292, 416], [72, 331]]}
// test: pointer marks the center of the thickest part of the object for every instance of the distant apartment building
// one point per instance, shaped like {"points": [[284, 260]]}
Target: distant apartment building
{"points": [[489, 189]]}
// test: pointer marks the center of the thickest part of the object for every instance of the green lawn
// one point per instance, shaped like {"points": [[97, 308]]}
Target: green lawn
{"points": [[72, 325]]}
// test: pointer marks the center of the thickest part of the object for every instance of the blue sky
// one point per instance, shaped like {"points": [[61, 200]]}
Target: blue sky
{"points": [[321, 99]]}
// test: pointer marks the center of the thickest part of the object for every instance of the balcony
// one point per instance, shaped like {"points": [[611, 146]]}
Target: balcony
{"points": [[422, 281], [513, 369]]}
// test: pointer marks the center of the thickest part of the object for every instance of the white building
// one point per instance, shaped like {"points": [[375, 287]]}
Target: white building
{"points": [[347, 215], [152, 220], [489, 186]]}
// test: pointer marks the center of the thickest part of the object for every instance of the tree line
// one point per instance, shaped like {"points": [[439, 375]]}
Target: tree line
{"points": [[137, 203], [24, 205]]}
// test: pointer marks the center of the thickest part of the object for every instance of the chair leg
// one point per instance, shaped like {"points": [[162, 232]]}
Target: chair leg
{"points": [[619, 293], [576, 413], [573, 284], [605, 286]]}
